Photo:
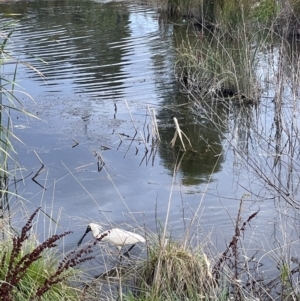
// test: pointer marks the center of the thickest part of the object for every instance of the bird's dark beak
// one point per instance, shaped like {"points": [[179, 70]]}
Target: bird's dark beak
{"points": [[88, 229]]}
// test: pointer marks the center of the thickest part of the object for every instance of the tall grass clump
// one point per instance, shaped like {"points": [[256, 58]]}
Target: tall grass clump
{"points": [[223, 59], [31, 271], [182, 274], [210, 65], [222, 62]]}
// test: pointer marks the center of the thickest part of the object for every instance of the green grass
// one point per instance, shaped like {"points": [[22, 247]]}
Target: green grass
{"points": [[36, 274], [32, 271], [9, 101]]}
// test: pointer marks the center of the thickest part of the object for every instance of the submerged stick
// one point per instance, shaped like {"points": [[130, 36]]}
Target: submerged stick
{"points": [[100, 161], [76, 143], [38, 172]]}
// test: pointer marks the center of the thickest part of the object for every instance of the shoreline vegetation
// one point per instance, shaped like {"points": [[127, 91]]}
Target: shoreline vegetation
{"points": [[218, 63], [221, 56]]}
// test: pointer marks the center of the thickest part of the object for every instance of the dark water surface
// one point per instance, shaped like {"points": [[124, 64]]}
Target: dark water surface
{"points": [[105, 66]]}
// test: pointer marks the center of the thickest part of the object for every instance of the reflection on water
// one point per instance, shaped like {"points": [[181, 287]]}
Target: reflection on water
{"points": [[205, 157], [105, 50]]}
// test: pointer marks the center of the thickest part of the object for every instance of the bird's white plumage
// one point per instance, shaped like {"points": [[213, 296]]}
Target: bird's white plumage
{"points": [[116, 236]]}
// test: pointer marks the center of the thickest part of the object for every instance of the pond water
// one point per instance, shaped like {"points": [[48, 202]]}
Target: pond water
{"points": [[106, 66]]}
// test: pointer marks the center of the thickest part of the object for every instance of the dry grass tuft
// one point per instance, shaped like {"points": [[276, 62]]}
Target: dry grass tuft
{"points": [[172, 272]]}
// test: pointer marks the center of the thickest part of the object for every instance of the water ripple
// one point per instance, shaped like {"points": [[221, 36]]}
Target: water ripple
{"points": [[123, 56]]}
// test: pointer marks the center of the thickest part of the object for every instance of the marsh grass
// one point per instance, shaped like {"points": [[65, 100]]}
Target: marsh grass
{"points": [[222, 61], [211, 65], [169, 271], [183, 273]]}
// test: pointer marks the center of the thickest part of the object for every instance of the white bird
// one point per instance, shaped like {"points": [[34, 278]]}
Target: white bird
{"points": [[115, 236]]}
